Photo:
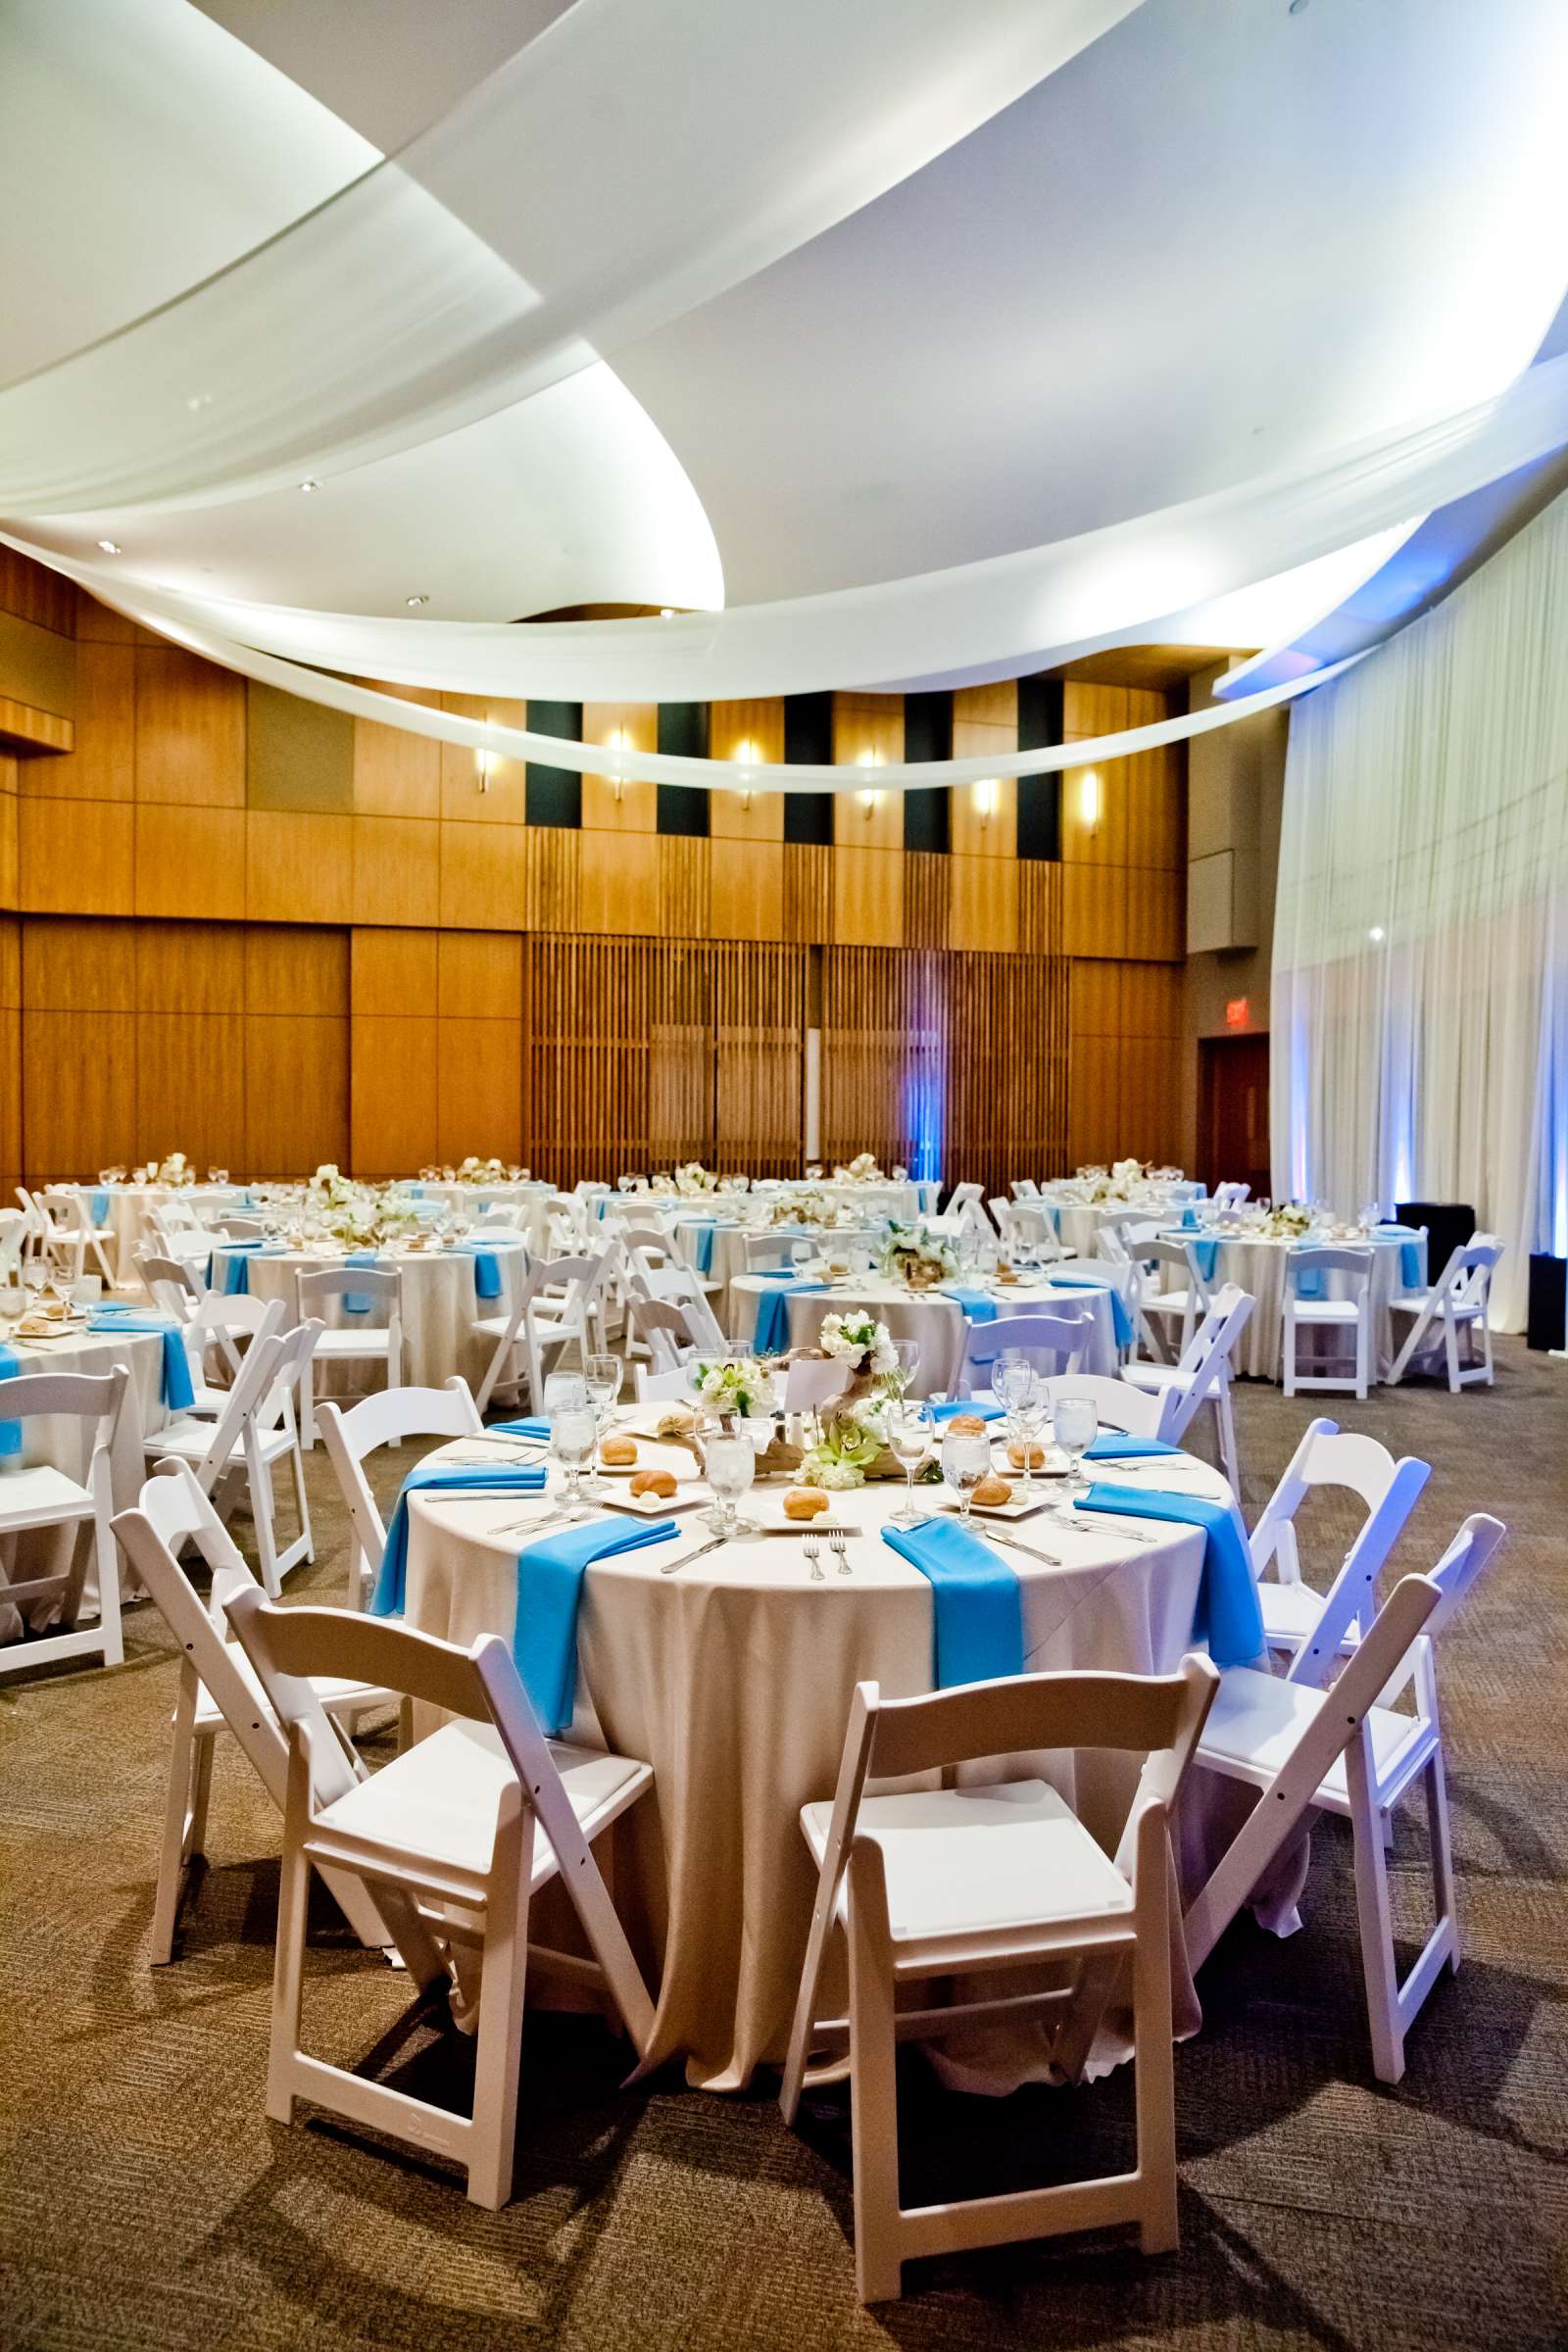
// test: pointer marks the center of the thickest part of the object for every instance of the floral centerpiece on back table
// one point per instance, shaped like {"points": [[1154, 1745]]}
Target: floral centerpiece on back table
{"points": [[176, 1171], [852, 1444], [861, 1169], [693, 1180], [917, 1256], [1289, 1221]]}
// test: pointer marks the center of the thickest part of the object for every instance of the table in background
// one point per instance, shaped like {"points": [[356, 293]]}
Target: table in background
{"points": [[529, 1200], [440, 1304], [1255, 1262], [936, 1323]]}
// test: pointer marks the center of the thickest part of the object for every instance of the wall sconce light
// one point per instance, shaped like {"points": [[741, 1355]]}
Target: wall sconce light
{"points": [[1089, 800], [985, 799], [620, 746], [870, 802], [746, 752], [482, 764]]}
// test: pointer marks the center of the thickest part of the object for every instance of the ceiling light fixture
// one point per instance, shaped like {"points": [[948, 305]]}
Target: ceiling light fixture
{"points": [[1377, 935], [309, 487], [111, 547], [416, 600], [985, 799]]}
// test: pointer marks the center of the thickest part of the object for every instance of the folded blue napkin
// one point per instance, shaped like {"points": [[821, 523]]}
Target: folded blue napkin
{"points": [[532, 1425], [977, 1608], [416, 1191], [178, 1392], [1412, 1274], [10, 1431], [100, 1208], [455, 1478], [1205, 1256], [1121, 1322], [977, 1307], [1190, 1220], [773, 1333], [236, 1272], [1227, 1615], [704, 1228], [550, 1572], [487, 1270], [359, 1303], [1118, 1446], [1306, 1281], [981, 1405]]}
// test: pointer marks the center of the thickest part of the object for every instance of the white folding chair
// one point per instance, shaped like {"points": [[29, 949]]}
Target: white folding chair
{"points": [[1024, 1188], [1231, 1195], [374, 1336], [218, 1687], [1350, 1317], [1004, 1217], [386, 1418], [768, 1250], [1460, 1301], [1203, 1375], [555, 1309], [1160, 1312], [664, 1330], [1329, 1457], [961, 1881], [965, 1207], [256, 1430], [1345, 1750], [1118, 1404], [673, 1387], [50, 1238], [69, 1208], [499, 1225], [169, 1283], [813, 1381], [467, 1826], [1062, 1336], [225, 1325], [15, 1228], [237, 1228], [40, 1497]]}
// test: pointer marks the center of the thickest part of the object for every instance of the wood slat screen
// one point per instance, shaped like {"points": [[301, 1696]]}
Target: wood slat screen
{"points": [[643, 1053]]}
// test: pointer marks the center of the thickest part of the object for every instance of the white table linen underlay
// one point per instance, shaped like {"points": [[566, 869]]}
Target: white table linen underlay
{"points": [[66, 1445], [129, 1204], [1255, 1262], [733, 1678], [529, 1200], [935, 1322], [728, 1251], [440, 1304]]}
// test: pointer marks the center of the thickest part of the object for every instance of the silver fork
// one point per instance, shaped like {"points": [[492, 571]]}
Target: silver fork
{"points": [[812, 1547], [838, 1545]]}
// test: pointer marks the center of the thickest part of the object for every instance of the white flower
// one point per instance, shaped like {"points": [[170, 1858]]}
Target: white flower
{"points": [[836, 1475]]}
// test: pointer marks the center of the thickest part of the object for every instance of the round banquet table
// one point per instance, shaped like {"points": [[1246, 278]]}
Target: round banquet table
{"points": [[529, 1199], [128, 1206], [1255, 1262], [1076, 1224], [733, 1678], [440, 1304], [937, 1324], [726, 1252]]}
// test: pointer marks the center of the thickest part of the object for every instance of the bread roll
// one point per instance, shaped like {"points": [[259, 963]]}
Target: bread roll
{"points": [[804, 1502], [619, 1453], [967, 1425], [1015, 1454], [654, 1481], [676, 1422], [992, 1490]]}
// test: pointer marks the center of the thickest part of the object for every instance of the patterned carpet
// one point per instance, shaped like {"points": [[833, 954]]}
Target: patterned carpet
{"points": [[147, 2201]]}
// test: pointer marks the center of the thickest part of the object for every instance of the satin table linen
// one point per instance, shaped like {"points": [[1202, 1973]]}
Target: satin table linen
{"points": [[733, 1677], [1255, 1262], [440, 1303], [933, 1320], [524, 1203], [128, 1206]]}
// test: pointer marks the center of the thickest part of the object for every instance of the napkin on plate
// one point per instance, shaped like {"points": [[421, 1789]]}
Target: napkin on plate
{"points": [[451, 1478], [977, 1607], [1227, 1615]]}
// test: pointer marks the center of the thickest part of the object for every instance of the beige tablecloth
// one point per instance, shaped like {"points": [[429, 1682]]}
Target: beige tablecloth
{"points": [[937, 1324], [733, 1678], [128, 1206], [439, 1308], [529, 1200], [1257, 1265]]}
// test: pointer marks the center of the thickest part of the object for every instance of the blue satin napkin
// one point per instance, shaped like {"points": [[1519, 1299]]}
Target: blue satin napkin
{"points": [[487, 1271], [359, 1303], [178, 1393], [1121, 1322], [1412, 1274], [453, 1478], [977, 1607], [1227, 1615], [532, 1425], [772, 1334], [237, 1273], [1190, 1220], [977, 1307], [1119, 1445], [100, 1208], [1205, 1256], [968, 1404], [550, 1574], [704, 1229], [1306, 1281], [10, 1431]]}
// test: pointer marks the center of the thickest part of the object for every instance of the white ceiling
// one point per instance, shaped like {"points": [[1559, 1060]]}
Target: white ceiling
{"points": [[1223, 237]]}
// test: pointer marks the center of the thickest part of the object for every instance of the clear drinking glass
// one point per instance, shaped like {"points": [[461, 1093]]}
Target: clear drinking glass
{"points": [[604, 1374], [965, 1461], [1075, 1425], [909, 1428], [1015, 1383], [564, 1391], [907, 1353], [573, 1430], [731, 1467]]}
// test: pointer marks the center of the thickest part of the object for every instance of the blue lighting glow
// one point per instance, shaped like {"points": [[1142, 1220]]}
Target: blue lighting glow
{"points": [[922, 1114]]}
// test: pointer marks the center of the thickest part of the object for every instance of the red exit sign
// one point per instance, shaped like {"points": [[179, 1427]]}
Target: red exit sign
{"points": [[1238, 1012]]}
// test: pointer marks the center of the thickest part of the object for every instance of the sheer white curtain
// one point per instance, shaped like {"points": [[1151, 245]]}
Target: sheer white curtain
{"points": [[1421, 934]]}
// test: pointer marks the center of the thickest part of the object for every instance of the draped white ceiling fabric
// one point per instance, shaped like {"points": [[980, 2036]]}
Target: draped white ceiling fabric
{"points": [[1011, 614], [1420, 987], [630, 164]]}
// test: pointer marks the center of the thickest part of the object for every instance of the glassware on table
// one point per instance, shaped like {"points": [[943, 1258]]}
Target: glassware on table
{"points": [[907, 1353], [801, 1251], [1015, 1384], [965, 1461], [13, 1302], [566, 1392], [1075, 1425], [603, 1375], [731, 1468], [573, 1434], [35, 1275], [909, 1427]]}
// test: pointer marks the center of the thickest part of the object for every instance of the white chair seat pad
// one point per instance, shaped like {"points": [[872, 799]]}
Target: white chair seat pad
{"points": [[971, 1860], [1257, 1718], [41, 1492], [1155, 1379], [1327, 1310], [1289, 1610], [189, 1440], [371, 1341], [440, 1798]]}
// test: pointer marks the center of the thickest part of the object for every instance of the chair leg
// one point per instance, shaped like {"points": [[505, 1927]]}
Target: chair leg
{"points": [[873, 2090], [1373, 1916], [302, 1502], [107, 1558], [1154, 2088], [1450, 1346], [308, 1409], [1228, 1454], [498, 2058], [288, 1970], [1441, 1848], [179, 1806], [1288, 1354]]}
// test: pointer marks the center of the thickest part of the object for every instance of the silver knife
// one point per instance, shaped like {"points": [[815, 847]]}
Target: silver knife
{"points": [[994, 1535], [668, 1567]]}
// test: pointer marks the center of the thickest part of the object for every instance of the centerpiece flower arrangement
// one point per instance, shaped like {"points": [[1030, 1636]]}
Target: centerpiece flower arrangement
{"points": [[330, 1188], [852, 1443], [861, 1169], [474, 1170], [692, 1179], [1125, 1181], [915, 1256], [1289, 1221], [174, 1171], [739, 1389]]}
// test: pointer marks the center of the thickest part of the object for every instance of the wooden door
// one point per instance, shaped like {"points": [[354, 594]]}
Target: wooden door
{"points": [[1233, 1111]]}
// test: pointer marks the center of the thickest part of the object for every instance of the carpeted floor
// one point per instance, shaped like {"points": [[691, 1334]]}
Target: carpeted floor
{"points": [[147, 2201]]}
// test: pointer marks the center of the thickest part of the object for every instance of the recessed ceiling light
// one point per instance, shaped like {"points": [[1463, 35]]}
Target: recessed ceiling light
{"points": [[416, 600], [1377, 935], [310, 485], [111, 547], [198, 401], [666, 611]]}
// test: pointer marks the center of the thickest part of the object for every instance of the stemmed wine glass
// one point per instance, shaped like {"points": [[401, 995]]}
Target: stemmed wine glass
{"points": [[1075, 1425], [965, 1461], [907, 1353], [1015, 1384], [573, 1433], [603, 1375], [908, 1442]]}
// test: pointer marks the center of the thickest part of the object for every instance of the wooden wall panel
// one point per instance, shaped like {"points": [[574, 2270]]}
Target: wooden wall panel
{"points": [[485, 876], [10, 1056], [75, 858], [299, 866], [191, 730], [1126, 1028], [745, 888], [396, 774], [191, 861], [295, 1093], [78, 1090], [9, 833], [103, 764], [868, 897]]}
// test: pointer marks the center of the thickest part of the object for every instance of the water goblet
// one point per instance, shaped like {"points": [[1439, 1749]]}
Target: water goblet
{"points": [[602, 1374], [907, 1353], [731, 1468], [908, 1442], [965, 1461], [566, 1392], [1075, 1425], [573, 1434]]}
